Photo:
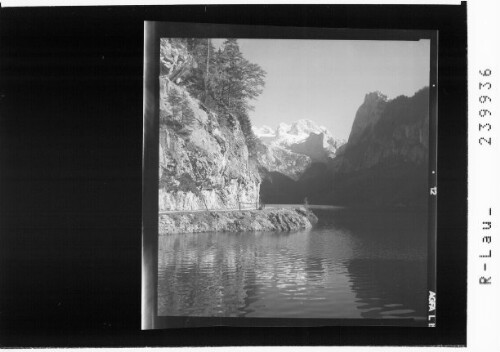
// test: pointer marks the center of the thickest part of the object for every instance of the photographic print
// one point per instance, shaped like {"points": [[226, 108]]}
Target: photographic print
{"points": [[294, 180]]}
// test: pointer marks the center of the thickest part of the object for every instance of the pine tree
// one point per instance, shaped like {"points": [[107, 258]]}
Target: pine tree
{"points": [[236, 83], [202, 51], [225, 81]]}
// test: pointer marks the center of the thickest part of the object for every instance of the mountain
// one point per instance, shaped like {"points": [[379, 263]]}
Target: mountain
{"points": [[293, 160], [273, 158], [204, 158], [302, 137], [291, 148], [385, 161]]}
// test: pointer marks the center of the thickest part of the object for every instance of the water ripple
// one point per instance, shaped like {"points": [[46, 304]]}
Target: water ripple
{"points": [[342, 269]]}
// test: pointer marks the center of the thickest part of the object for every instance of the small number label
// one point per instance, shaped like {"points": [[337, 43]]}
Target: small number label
{"points": [[484, 112], [482, 85], [485, 100], [486, 125], [486, 140], [485, 73]]}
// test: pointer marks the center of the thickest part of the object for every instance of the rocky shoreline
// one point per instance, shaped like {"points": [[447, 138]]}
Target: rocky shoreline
{"points": [[237, 221]]}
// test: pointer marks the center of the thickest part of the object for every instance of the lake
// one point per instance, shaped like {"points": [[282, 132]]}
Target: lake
{"points": [[352, 264]]}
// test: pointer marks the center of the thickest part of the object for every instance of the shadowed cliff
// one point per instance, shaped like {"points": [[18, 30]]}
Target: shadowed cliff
{"points": [[385, 161]]}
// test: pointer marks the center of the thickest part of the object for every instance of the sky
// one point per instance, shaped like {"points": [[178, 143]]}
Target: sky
{"points": [[326, 80]]}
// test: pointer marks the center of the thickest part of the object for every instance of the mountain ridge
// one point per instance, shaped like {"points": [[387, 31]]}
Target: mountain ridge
{"points": [[290, 149], [383, 163], [285, 135]]}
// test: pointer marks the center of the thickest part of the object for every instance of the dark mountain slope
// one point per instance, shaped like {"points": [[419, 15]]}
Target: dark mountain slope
{"points": [[385, 162]]}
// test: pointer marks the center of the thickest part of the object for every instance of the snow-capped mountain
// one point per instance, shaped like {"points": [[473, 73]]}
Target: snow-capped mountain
{"points": [[277, 159], [264, 132], [302, 137], [291, 149]]}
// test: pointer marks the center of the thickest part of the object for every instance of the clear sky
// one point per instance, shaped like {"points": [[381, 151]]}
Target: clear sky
{"points": [[326, 80]]}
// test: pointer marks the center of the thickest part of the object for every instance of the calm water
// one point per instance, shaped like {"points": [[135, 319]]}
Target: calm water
{"points": [[353, 264]]}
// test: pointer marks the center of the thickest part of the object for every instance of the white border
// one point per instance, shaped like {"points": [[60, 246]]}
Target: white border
{"points": [[484, 177], [33, 3], [483, 329]]}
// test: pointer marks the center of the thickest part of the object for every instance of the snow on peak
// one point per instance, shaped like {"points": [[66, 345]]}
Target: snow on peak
{"points": [[285, 135], [282, 129], [264, 131], [305, 126]]}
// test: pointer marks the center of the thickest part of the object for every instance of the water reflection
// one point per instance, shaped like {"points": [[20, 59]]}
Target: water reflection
{"points": [[352, 265], [389, 288]]}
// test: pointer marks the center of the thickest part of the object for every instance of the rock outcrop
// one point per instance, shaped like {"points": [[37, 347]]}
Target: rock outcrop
{"points": [[204, 159], [274, 158], [313, 147], [175, 60], [385, 160], [237, 221], [367, 116]]}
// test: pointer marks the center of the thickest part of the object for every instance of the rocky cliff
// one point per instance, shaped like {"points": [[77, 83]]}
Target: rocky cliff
{"points": [[238, 221], [204, 159], [385, 160], [313, 147], [367, 116], [272, 158]]}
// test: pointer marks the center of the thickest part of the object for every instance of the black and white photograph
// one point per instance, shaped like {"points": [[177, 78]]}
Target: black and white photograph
{"points": [[255, 176], [295, 179]]}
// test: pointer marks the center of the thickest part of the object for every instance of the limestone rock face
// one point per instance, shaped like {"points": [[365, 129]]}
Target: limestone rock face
{"points": [[277, 159], [312, 146], [204, 160], [385, 160], [237, 221], [367, 116], [174, 59], [386, 131]]}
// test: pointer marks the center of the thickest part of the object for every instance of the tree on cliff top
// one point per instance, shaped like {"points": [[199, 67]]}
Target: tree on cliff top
{"points": [[236, 80], [225, 81], [203, 53], [234, 83]]}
